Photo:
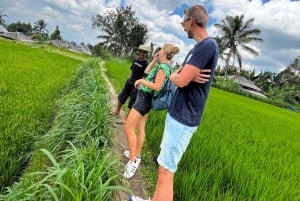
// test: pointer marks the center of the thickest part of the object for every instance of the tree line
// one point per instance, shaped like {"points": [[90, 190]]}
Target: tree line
{"points": [[121, 32]]}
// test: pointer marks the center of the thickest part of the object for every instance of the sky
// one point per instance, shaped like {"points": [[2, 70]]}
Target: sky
{"points": [[278, 21]]}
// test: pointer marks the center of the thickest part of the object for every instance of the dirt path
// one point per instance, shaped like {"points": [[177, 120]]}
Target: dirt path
{"points": [[136, 184]]}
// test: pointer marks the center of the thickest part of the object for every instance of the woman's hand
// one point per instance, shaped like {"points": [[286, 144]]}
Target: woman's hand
{"points": [[137, 83]]}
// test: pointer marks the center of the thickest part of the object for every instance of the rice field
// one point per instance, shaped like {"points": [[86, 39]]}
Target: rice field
{"points": [[70, 159], [54, 112], [243, 150]]}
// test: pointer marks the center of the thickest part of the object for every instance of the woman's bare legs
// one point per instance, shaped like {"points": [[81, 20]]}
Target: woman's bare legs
{"points": [[133, 121], [141, 134]]}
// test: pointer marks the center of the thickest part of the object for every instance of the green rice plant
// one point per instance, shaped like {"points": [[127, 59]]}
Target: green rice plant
{"points": [[77, 164], [30, 81], [243, 150], [118, 71]]}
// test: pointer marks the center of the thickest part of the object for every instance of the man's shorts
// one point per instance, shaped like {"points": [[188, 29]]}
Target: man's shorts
{"points": [[126, 91], [175, 140]]}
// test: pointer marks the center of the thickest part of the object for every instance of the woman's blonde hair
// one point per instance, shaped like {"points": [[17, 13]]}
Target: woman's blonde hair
{"points": [[171, 50]]}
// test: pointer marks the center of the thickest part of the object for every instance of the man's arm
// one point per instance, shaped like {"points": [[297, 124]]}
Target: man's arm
{"points": [[183, 76]]}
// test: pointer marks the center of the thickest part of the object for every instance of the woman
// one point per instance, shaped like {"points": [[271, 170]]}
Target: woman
{"points": [[158, 72]]}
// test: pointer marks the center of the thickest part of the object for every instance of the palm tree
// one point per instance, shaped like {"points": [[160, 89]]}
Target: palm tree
{"points": [[236, 33], [2, 22], [40, 28]]}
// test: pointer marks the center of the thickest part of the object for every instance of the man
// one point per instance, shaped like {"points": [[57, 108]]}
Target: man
{"points": [[185, 112], [137, 68]]}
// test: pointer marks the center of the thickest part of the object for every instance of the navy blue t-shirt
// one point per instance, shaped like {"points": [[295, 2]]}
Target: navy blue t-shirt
{"points": [[188, 102]]}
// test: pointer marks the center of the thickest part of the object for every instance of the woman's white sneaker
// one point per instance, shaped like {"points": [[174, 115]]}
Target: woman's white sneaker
{"points": [[131, 167], [127, 154], [136, 198]]}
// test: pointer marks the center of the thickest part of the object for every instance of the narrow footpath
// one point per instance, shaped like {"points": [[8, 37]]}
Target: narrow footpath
{"points": [[136, 184]]}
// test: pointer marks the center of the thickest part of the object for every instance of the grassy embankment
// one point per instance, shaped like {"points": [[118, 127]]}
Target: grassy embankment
{"points": [[243, 150]]}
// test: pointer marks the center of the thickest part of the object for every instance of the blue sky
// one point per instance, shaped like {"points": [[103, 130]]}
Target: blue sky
{"points": [[278, 21]]}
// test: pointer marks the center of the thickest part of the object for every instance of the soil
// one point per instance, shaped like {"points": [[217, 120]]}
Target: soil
{"points": [[136, 184]]}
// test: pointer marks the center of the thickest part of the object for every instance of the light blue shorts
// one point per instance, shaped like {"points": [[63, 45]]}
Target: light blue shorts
{"points": [[174, 143]]}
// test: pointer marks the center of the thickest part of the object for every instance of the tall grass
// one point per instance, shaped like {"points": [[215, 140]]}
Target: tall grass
{"points": [[80, 165], [243, 150], [30, 81], [118, 71]]}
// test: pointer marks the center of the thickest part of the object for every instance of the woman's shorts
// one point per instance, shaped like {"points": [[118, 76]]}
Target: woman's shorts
{"points": [[175, 140], [142, 103]]}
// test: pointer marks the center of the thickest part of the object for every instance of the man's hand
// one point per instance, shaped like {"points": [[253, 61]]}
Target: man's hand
{"points": [[203, 76]]}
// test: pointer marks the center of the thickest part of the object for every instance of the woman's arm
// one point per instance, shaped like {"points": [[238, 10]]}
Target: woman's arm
{"points": [[156, 85], [151, 64]]}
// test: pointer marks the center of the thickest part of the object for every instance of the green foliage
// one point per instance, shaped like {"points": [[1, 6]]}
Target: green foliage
{"points": [[29, 85], [236, 33], [100, 51], [118, 71], [120, 30], [284, 86], [244, 150], [40, 28], [56, 34], [20, 27], [80, 164]]}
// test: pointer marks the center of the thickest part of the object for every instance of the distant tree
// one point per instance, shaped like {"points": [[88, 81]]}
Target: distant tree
{"points": [[2, 21], [101, 51], [20, 27], [120, 30], [284, 86], [222, 47], [265, 80], [56, 34], [290, 75], [249, 74], [40, 28], [236, 33]]}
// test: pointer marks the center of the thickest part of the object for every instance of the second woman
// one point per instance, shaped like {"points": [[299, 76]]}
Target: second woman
{"points": [[157, 74]]}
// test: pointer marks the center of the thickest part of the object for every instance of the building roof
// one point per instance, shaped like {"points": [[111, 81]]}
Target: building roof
{"points": [[16, 36], [244, 82], [72, 47], [247, 85], [3, 29], [22, 37]]}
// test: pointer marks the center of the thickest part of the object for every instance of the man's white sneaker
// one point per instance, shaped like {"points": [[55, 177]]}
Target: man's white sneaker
{"points": [[136, 198], [131, 168]]}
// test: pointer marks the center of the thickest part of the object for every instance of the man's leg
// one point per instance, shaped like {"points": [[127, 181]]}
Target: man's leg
{"points": [[164, 186], [118, 109]]}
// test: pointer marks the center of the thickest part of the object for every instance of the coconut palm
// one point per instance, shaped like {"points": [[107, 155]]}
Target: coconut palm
{"points": [[236, 33], [2, 22], [40, 28]]}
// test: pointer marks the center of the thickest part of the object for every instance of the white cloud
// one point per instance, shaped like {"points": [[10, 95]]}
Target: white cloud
{"points": [[277, 20]]}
